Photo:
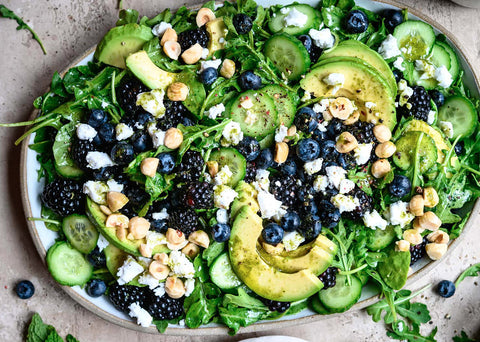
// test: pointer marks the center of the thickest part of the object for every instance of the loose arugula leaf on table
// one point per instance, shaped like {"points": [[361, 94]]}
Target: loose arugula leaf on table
{"points": [[400, 331], [9, 14], [472, 271]]}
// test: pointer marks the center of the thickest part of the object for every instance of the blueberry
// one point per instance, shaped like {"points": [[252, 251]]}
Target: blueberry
{"points": [[97, 258], [393, 18], [208, 76], [107, 133], [221, 232], [327, 148], [398, 75], [460, 148], [334, 128], [309, 207], [306, 41], [96, 287], [400, 186], [97, 118], [290, 221], [356, 22], [272, 234], [25, 289], [242, 23], [104, 173], [346, 161], [122, 153], [187, 122], [330, 192], [248, 80], [160, 226], [329, 215], [249, 148], [308, 149], [264, 159], [142, 118], [310, 227], [141, 141], [98, 142], [446, 288], [437, 97], [167, 163], [319, 135], [306, 119], [289, 167]]}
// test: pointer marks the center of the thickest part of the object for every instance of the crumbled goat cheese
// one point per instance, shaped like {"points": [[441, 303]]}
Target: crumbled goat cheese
{"points": [[281, 133], [161, 215], [374, 220], [261, 180], [345, 203], [129, 270], [427, 69], [251, 118], [334, 79], [104, 104], [269, 205], [370, 105], [404, 92], [97, 191], [189, 287], [155, 239], [398, 214], [159, 29], [205, 53], [86, 132], [447, 128], [246, 102], [335, 175], [123, 131], [149, 280], [157, 135], [346, 185], [159, 290], [443, 77], [96, 160], [431, 117], [152, 102], [321, 183], [213, 63], [321, 106], [114, 186], [306, 96], [232, 134], [223, 176], [223, 196], [324, 39], [143, 317], [398, 64], [102, 243], [222, 216], [362, 153], [180, 265], [313, 166], [292, 240], [389, 47], [295, 18]]}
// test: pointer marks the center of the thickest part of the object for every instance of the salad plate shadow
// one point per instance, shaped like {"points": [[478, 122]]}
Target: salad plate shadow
{"points": [[44, 238]]}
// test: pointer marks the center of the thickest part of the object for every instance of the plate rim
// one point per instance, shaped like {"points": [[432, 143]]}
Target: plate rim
{"points": [[222, 330]]}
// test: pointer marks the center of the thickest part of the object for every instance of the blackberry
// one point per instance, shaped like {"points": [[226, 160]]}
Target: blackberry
{"points": [[250, 172], [175, 114], [79, 151], [191, 37], [123, 295], [284, 188], [137, 197], [362, 131], [366, 204], [164, 307], [199, 195], [190, 169], [64, 197], [417, 251], [273, 305], [183, 219], [420, 101], [329, 277], [127, 93]]}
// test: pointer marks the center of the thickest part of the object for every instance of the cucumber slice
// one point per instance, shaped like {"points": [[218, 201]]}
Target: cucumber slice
{"points": [[277, 22], [222, 273], [285, 103], [288, 55], [258, 121], [317, 306], [454, 69], [406, 149], [64, 164], [267, 142], [438, 58], [235, 161], [67, 265], [379, 239], [415, 39], [342, 296], [80, 232], [461, 113]]}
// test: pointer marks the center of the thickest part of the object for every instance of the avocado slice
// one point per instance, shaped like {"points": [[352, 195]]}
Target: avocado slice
{"points": [[217, 31], [98, 218], [246, 196], [115, 258], [362, 84], [355, 48], [146, 71], [321, 241], [120, 42], [263, 279]]}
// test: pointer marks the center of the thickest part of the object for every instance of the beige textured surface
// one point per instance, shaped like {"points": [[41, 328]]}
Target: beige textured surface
{"points": [[68, 28]]}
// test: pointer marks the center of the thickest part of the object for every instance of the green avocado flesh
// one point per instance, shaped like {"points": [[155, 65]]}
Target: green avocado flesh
{"points": [[98, 218], [264, 279], [146, 71], [120, 42]]}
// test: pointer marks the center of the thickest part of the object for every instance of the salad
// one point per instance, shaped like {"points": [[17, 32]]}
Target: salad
{"points": [[239, 163]]}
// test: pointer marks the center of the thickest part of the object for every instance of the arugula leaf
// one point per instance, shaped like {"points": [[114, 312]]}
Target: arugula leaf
{"points": [[127, 16], [244, 300], [162, 325], [463, 337], [213, 251], [472, 271], [7, 13], [202, 305], [235, 317], [400, 331], [201, 135]]}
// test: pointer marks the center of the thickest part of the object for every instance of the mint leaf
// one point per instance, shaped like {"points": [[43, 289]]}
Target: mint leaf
{"points": [[472, 271], [70, 338], [54, 337], [463, 338], [37, 330]]}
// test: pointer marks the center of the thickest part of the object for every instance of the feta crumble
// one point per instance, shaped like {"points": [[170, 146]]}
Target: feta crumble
{"points": [[362, 153], [324, 38], [345, 203], [96, 160], [86, 132], [128, 271], [154, 239], [398, 64], [346, 185], [321, 106], [223, 176], [216, 111], [180, 265], [97, 191], [262, 182], [123, 131], [223, 196], [102, 243], [281, 133], [334, 79], [370, 105], [427, 69], [213, 63], [205, 53], [335, 175], [222, 216], [443, 77], [373, 220], [143, 317], [159, 290], [431, 117], [161, 215], [159, 29], [389, 47], [149, 280], [447, 128], [114, 186], [189, 287], [404, 92], [320, 184], [295, 18], [269, 205], [313, 166], [152, 102], [157, 135], [291, 240], [232, 134], [398, 214]]}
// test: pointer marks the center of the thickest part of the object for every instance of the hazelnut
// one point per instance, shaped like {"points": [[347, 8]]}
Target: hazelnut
{"points": [[430, 196], [382, 133], [438, 237], [281, 152], [380, 168], [158, 270], [327, 116], [139, 227], [116, 200], [145, 250], [161, 258], [106, 210], [385, 149], [402, 246], [177, 91], [204, 15], [174, 287], [200, 238], [417, 227], [416, 205], [193, 54], [274, 250], [436, 251], [173, 138], [191, 250], [117, 220], [341, 108], [429, 221], [352, 118], [346, 142], [170, 35], [175, 239], [228, 68], [148, 167], [412, 236], [121, 233], [291, 131], [212, 166], [172, 49]]}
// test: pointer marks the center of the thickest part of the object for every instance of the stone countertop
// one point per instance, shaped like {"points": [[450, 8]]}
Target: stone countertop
{"points": [[68, 28]]}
